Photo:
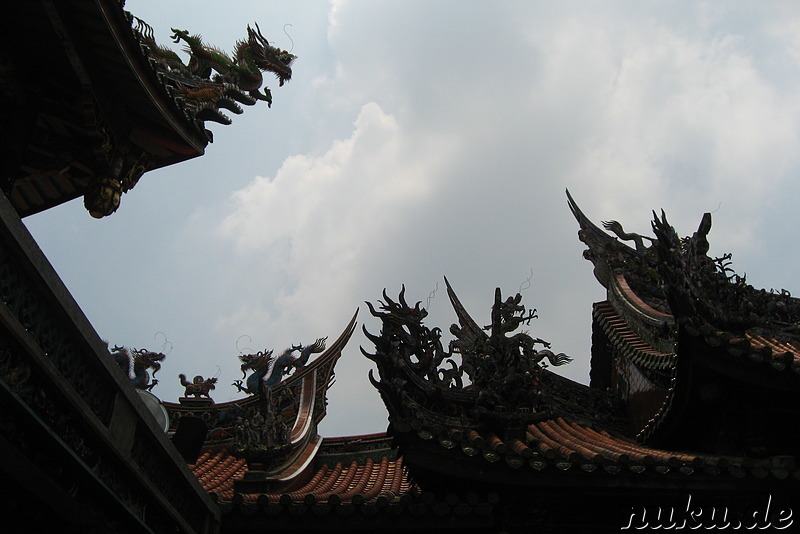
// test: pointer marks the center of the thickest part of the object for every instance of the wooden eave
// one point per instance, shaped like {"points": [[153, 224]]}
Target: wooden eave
{"points": [[81, 59], [162, 120]]}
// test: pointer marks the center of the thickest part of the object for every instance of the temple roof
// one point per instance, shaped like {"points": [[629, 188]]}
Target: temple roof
{"points": [[572, 427], [482, 427], [90, 105], [561, 444], [273, 431], [700, 357], [673, 281], [335, 477], [486, 410], [353, 482]]}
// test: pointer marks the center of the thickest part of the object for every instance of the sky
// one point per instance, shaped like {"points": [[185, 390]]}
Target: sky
{"points": [[423, 139]]}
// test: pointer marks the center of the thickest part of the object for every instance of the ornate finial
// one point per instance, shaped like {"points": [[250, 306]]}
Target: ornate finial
{"points": [[503, 367], [197, 388], [102, 197], [704, 289]]}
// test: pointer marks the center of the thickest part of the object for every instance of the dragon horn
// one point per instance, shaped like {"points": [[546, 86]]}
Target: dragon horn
{"points": [[389, 302], [372, 309], [403, 296], [260, 35]]}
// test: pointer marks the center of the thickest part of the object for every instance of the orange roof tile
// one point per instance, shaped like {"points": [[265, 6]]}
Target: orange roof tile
{"points": [[635, 348], [562, 443], [216, 470]]}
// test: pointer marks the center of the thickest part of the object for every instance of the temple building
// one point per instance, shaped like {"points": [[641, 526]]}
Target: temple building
{"points": [[694, 385], [691, 407]]}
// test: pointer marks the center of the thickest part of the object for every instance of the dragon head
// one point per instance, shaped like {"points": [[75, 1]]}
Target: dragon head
{"points": [[269, 58], [255, 361], [147, 358], [399, 313]]}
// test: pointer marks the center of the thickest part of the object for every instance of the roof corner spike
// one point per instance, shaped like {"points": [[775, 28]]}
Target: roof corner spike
{"points": [[583, 220], [602, 247], [573, 207]]}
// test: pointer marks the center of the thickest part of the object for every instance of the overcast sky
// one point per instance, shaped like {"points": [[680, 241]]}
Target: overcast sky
{"points": [[418, 140]]}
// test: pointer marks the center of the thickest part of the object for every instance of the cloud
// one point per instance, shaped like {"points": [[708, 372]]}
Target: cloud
{"points": [[690, 119], [321, 219]]}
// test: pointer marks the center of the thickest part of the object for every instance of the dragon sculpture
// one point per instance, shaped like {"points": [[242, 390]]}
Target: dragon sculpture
{"points": [[504, 370], [213, 79], [499, 364], [704, 289], [143, 360], [677, 276], [252, 56], [269, 370], [638, 239], [162, 55]]}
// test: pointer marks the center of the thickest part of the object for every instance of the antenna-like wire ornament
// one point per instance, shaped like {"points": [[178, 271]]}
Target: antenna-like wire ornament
{"points": [[431, 295], [241, 351], [526, 284], [166, 342], [289, 36]]}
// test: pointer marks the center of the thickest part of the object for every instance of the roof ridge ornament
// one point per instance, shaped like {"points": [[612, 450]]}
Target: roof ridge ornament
{"points": [[212, 83], [503, 368], [638, 239], [269, 370], [137, 362], [214, 80], [676, 276], [706, 289]]}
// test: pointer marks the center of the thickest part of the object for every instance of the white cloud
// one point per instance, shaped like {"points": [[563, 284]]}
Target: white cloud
{"points": [[322, 217], [691, 119]]}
